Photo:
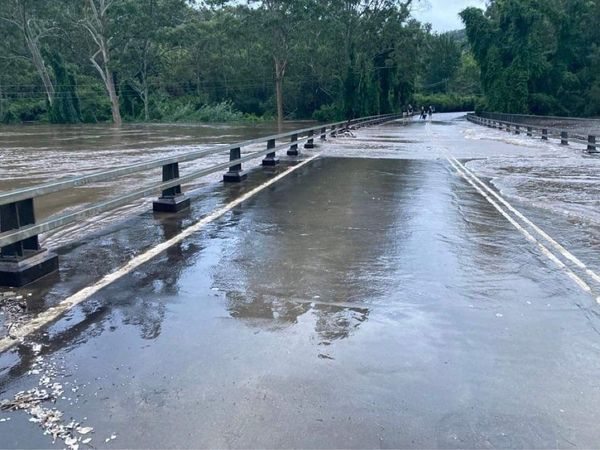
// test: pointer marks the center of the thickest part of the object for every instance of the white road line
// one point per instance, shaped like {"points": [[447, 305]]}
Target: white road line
{"points": [[469, 176], [53, 313], [563, 251], [582, 284]]}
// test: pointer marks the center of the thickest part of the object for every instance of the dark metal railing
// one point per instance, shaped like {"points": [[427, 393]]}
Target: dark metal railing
{"points": [[544, 132], [19, 230]]}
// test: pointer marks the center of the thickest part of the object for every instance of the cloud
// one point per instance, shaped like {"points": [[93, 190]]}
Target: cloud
{"points": [[443, 14]]}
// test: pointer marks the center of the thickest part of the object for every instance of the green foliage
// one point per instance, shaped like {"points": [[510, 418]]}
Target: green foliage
{"points": [[94, 104], [537, 56], [26, 110], [447, 102], [65, 106], [328, 113], [218, 60], [187, 111], [442, 62]]}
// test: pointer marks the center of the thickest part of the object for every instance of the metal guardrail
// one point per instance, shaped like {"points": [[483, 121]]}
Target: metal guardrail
{"points": [[19, 230], [508, 117], [545, 133]]}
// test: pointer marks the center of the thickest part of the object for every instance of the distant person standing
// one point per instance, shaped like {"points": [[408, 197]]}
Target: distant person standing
{"points": [[423, 113]]}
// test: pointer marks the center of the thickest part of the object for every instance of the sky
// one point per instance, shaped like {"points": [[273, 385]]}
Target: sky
{"points": [[443, 14]]}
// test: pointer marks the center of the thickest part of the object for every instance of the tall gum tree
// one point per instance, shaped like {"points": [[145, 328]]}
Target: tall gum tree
{"points": [[143, 29], [97, 23], [29, 19], [283, 23], [279, 27]]}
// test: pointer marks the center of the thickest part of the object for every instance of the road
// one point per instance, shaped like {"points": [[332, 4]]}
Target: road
{"points": [[378, 296]]}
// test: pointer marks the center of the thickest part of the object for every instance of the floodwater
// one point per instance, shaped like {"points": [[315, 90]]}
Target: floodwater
{"points": [[373, 298], [34, 154]]}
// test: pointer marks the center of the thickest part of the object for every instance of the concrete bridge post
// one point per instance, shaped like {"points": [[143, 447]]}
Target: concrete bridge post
{"points": [[324, 134], [333, 132], [564, 138], [24, 261], [293, 150], [171, 199], [591, 147], [271, 159], [235, 173], [517, 129], [529, 132], [311, 141], [544, 134]]}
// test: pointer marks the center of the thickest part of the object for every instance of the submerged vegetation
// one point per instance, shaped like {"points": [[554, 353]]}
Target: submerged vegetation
{"points": [[69, 61]]}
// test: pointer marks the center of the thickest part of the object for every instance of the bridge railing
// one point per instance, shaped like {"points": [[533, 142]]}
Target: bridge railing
{"points": [[543, 132], [23, 260]]}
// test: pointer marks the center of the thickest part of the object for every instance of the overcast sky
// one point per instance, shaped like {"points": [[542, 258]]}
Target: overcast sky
{"points": [[443, 14]]}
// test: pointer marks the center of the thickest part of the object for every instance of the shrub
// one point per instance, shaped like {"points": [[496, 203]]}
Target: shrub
{"points": [[328, 113]]}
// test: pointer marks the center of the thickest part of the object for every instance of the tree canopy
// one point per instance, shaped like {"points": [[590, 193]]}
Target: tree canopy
{"points": [[538, 56], [100, 60]]}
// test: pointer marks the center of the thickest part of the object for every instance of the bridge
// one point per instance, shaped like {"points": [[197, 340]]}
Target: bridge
{"points": [[399, 283]]}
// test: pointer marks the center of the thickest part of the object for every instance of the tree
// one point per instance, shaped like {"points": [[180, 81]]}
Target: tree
{"points": [[536, 56], [65, 108], [97, 23], [30, 19], [442, 62]]}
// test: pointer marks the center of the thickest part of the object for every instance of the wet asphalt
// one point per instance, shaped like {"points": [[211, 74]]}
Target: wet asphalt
{"points": [[361, 302]]}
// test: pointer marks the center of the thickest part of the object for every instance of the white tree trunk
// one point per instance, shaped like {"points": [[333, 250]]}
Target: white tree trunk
{"points": [[96, 26], [279, 75]]}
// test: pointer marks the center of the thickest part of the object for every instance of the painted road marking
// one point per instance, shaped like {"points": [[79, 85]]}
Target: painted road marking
{"points": [[476, 183], [55, 312], [562, 250], [582, 284]]}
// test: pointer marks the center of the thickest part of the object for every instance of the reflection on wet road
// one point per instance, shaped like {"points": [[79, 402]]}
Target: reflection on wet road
{"points": [[372, 298]]}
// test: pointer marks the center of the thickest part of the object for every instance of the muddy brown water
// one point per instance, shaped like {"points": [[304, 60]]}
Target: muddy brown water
{"points": [[34, 154]]}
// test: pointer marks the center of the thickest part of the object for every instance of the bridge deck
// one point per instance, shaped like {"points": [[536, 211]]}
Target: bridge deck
{"points": [[358, 302]]}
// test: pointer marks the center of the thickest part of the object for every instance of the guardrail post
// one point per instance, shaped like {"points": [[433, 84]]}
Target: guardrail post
{"points": [[293, 150], [529, 133], [24, 261], [333, 132], [171, 200], [508, 128], [517, 129], [235, 173], [270, 159], [311, 141], [324, 133], [544, 134], [591, 147], [564, 138]]}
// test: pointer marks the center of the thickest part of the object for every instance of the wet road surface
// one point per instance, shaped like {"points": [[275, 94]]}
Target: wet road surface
{"points": [[372, 298]]}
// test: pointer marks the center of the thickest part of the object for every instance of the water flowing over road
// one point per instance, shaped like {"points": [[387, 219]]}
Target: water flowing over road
{"points": [[425, 285]]}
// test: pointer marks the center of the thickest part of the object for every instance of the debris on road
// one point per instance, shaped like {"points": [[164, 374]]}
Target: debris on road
{"points": [[13, 308], [50, 419]]}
